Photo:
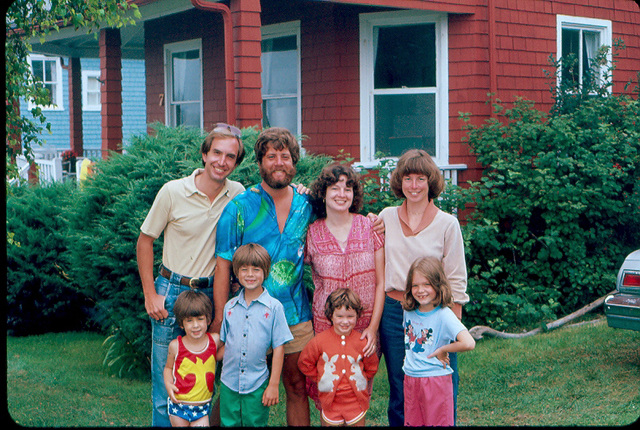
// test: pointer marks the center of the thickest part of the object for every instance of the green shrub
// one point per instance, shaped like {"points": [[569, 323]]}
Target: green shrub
{"points": [[557, 208], [40, 293]]}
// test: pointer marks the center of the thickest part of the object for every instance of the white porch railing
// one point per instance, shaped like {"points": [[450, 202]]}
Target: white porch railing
{"points": [[49, 162], [450, 172]]}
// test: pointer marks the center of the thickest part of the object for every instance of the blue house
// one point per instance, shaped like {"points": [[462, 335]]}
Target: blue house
{"points": [[54, 75]]}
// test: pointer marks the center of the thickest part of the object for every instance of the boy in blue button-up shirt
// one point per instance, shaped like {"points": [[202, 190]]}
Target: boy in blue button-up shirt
{"points": [[253, 323]]}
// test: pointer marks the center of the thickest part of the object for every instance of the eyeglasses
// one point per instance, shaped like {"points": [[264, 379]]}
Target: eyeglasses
{"points": [[235, 131]]}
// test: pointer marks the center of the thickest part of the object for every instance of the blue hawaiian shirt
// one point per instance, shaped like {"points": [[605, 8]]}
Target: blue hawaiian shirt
{"points": [[251, 218]]}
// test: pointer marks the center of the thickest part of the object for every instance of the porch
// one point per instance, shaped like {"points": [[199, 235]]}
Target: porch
{"points": [[51, 167]]}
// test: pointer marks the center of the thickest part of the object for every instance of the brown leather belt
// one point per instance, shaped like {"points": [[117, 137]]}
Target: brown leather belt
{"points": [[187, 281]]}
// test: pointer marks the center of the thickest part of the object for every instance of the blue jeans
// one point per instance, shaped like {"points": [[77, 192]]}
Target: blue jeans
{"points": [[162, 333], [392, 346]]}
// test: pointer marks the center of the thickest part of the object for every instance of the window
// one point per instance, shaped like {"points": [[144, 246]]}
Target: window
{"points": [[48, 71], [281, 76], [403, 84], [91, 90], [578, 42], [183, 85]]}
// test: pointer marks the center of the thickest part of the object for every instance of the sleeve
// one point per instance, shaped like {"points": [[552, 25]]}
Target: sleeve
{"points": [[308, 360], [158, 216], [229, 231], [454, 262], [370, 366], [280, 333], [453, 325]]}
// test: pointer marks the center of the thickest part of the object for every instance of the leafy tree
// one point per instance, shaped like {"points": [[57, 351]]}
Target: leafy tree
{"points": [[28, 19]]}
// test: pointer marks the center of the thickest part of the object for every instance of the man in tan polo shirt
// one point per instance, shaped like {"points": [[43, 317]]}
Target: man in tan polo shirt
{"points": [[186, 210]]}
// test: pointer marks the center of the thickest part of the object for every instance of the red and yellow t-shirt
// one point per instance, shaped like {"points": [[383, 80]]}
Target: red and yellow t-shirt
{"points": [[194, 373]]}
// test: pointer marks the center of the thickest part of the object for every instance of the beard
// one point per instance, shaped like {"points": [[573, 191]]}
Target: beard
{"points": [[267, 177]]}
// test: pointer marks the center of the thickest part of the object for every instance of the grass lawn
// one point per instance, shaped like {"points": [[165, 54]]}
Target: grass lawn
{"points": [[575, 376]]}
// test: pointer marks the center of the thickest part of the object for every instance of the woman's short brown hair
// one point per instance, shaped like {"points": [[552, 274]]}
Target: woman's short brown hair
{"points": [[330, 175], [280, 138], [432, 269], [419, 162], [192, 303], [342, 297], [251, 254]]}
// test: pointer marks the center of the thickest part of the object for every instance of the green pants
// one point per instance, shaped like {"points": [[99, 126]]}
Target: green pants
{"points": [[243, 410]]}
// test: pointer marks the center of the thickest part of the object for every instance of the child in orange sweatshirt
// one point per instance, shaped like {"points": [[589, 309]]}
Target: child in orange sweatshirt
{"points": [[335, 360]]}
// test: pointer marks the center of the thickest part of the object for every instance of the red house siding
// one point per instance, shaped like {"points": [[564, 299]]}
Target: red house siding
{"points": [[330, 81], [193, 24], [494, 45]]}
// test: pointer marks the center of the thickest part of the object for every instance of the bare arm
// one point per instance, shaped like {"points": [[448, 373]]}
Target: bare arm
{"points": [[378, 223], [221, 282], [270, 396], [153, 302], [378, 305], [464, 342], [167, 372]]}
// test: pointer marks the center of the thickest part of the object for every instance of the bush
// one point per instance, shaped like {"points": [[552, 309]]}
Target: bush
{"points": [[41, 296], [557, 208]]}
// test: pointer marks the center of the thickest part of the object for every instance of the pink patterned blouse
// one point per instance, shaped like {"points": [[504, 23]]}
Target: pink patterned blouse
{"points": [[333, 268]]}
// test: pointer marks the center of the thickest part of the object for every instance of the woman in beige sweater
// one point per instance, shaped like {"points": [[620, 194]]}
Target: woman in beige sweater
{"points": [[416, 228]]}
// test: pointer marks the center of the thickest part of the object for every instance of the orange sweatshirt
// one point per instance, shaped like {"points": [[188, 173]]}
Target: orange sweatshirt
{"points": [[337, 362]]}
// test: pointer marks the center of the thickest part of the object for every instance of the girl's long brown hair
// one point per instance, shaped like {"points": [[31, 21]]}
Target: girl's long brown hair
{"points": [[431, 268]]}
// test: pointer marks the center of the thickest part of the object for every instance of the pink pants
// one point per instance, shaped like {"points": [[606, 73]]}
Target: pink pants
{"points": [[428, 401]]}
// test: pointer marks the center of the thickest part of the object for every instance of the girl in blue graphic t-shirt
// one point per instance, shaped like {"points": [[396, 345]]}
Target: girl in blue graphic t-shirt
{"points": [[431, 331]]}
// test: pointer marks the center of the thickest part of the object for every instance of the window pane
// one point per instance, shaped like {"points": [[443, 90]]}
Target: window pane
{"points": [[286, 43], [52, 93], [93, 84], [405, 121], [590, 45], [38, 71], [405, 56], [93, 99], [186, 75], [187, 114], [570, 55], [50, 71], [279, 66], [280, 113]]}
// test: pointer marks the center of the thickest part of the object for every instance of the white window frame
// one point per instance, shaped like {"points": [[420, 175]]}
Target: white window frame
{"points": [[291, 28], [86, 75], [602, 26], [367, 92], [169, 48], [58, 82]]}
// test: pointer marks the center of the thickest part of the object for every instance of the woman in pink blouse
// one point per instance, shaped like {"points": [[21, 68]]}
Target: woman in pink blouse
{"points": [[344, 251]]}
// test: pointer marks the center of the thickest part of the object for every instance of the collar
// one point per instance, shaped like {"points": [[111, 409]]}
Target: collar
{"points": [[191, 189], [262, 298], [427, 217]]}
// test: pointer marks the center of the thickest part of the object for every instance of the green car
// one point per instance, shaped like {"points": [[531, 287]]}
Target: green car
{"points": [[623, 308]]}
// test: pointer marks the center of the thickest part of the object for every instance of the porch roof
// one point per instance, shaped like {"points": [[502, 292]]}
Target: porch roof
{"points": [[83, 44]]}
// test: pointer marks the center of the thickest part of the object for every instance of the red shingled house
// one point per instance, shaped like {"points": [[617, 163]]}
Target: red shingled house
{"points": [[360, 75]]}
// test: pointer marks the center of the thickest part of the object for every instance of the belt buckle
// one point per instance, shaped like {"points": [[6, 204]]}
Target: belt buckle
{"points": [[194, 283]]}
